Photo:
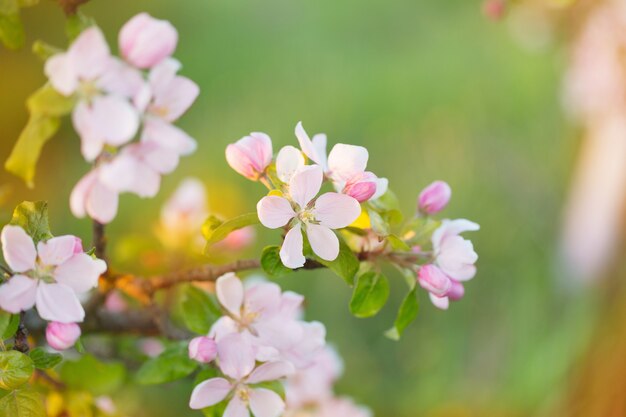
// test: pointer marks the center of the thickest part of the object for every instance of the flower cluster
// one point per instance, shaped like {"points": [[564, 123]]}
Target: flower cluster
{"points": [[117, 98], [260, 338]]}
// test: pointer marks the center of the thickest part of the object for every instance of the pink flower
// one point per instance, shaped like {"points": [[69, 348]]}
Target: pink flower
{"points": [[186, 209], [344, 163], [239, 239], [146, 41], [202, 349], [237, 362], [250, 155], [434, 198], [103, 115], [314, 384], [93, 197], [318, 216], [61, 336], [151, 347], [433, 280], [115, 302], [49, 276], [454, 255], [362, 186], [343, 407]]}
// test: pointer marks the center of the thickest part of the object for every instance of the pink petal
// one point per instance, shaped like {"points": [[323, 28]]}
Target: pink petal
{"points": [[18, 248], [128, 173], [58, 302], [263, 299], [236, 356], [291, 304], [266, 403], [78, 197], [319, 143], [80, 272], [434, 197], [382, 185], [456, 257], [90, 54], [315, 150], [57, 250], [236, 408], [168, 136], [60, 71], [102, 202], [288, 161], [250, 155], [230, 293], [162, 74], [441, 303], [291, 252], [305, 184], [433, 280], [336, 210], [344, 161], [91, 141], [274, 211], [122, 80], [270, 371], [18, 294], [61, 336], [452, 228], [209, 392], [172, 102], [456, 292], [115, 120], [278, 332], [323, 241], [146, 41]]}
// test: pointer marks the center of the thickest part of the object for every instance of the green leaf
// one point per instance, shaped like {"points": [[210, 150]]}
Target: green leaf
{"points": [[43, 359], [379, 224], [75, 24], [398, 244], [89, 374], [199, 310], [370, 295], [406, 314], [22, 403], [271, 263], [224, 229], [346, 265], [14, 322], [44, 50], [11, 30], [15, 369], [28, 3], [33, 218], [172, 364]]}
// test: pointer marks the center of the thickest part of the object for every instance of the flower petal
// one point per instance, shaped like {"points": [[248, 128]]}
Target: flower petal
{"points": [[270, 371], [18, 248], [85, 125], [230, 293], [58, 302], [116, 121], [171, 102], [291, 252], [263, 299], [80, 272], [61, 73], [345, 161], [452, 228], [305, 184], [441, 303], [382, 185], [57, 250], [323, 241], [336, 210], [168, 136], [209, 392], [236, 356], [274, 211], [90, 54], [78, 197], [288, 162], [315, 150], [236, 408], [266, 403], [102, 202], [18, 294]]}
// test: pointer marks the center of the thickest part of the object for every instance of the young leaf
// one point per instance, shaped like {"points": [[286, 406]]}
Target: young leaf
{"points": [[199, 310], [271, 263], [89, 374], [171, 365], [14, 322], [370, 294], [11, 28], [406, 314], [33, 218], [47, 101], [43, 359], [22, 403], [397, 243], [75, 24], [15, 369], [346, 265], [224, 229]]}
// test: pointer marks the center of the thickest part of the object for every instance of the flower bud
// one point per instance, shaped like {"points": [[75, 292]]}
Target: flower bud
{"points": [[146, 41], [361, 187], [78, 245], [202, 349], [61, 336], [494, 9], [435, 197], [456, 291], [433, 280], [251, 155]]}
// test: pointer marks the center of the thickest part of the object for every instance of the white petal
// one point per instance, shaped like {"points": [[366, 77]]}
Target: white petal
{"points": [[230, 293], [323, 241], [102, 202], [58, 302], [270, 371], [319, 143], [90, 54], [18, 248], [18, 294], [171, 102], [91, 140], [80, 272], [274, 211], [236, 356], [336, 210], [116, 121], [288, 161], [57, 250], [305, 184], [209, 392], [345, 161], [61, 73], [78, 197], [266, 403], [309, 148], [441, 303], [168, 136], [236, 408], [382, 185], [291, 252]]}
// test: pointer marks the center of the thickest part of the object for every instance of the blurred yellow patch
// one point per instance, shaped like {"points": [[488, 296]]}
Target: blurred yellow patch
{"points": [[363, 221], [276, 193], [54, 404]]}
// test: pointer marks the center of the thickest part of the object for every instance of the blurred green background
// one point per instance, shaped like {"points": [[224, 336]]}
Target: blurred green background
{"points": [[435, 91]]}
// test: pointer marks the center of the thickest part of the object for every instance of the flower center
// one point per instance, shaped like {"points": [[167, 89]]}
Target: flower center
{"points": [[43, 273], [243, 393], [87, 90], [307, 216]]}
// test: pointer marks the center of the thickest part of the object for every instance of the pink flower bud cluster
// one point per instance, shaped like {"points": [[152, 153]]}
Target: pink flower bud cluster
{"points": [[117, 100]]}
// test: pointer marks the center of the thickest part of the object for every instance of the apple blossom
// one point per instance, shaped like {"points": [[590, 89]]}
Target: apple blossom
{"points": [[318, 216], [202, 349], [48, 276], [434, 198], [343, 407], [146, 41], [251, 155], [236, 358], [314, 383], [93, 197], [433, 280], [454, 255], [185, 211], [61, 336]]}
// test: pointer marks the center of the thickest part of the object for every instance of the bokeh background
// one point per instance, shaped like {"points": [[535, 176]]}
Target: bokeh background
{"points": [[434, 90]]}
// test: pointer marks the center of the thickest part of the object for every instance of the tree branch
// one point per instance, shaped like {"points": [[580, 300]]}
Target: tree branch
{"points": [[99, 240], [70, 7]]}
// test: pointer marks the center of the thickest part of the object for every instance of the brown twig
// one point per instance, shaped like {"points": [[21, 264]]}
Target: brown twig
{"points": [[70, 7], [99, 240]]}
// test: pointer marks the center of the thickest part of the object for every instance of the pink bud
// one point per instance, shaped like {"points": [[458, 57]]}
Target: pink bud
{"points": [[115, 302], [361, 187], [78, 245], [202, 349], [494, 9], [435, 197], [61, 336], [457, 291], [433, 280], [250, 155], [146, 41]]}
